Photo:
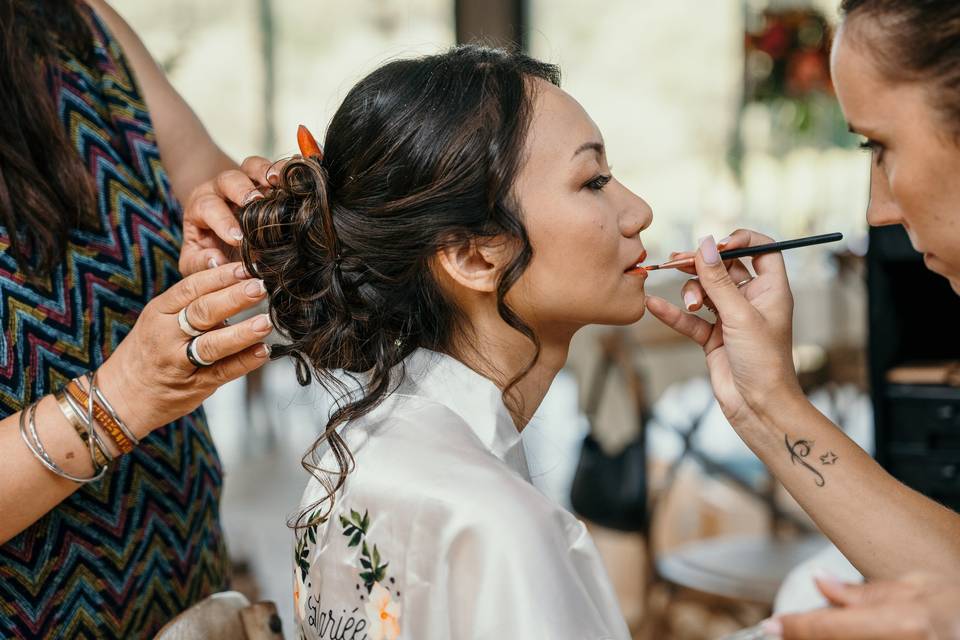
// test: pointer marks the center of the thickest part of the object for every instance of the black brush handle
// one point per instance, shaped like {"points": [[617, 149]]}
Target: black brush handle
{"points": [[780, 246]]}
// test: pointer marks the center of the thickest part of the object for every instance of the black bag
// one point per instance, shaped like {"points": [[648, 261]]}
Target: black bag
{"points": [[611, 490]]}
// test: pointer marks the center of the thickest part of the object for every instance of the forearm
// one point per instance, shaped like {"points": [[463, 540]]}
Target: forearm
{"points": [[190, 155], [883, 527], [27, 489]]}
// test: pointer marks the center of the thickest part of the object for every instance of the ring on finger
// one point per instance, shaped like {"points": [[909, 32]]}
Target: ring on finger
{"points": [[193, 356], [185, 325], [743, 282]]}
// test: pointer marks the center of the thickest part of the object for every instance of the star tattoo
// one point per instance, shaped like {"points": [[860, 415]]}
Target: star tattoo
{"points": [[828, 458]]}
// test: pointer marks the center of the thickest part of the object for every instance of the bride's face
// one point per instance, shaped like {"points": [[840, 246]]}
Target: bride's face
{"points": [[583, 224]]}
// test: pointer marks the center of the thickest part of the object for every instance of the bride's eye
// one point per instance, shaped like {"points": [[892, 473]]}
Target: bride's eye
{"points": [[599, 182], [875, 148]]}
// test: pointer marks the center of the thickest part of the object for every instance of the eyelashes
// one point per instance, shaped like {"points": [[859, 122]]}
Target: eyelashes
{"points": [[875, 148], [599, 182]]}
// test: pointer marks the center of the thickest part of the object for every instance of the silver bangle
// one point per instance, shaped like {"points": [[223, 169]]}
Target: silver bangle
{"points": [[36, 448], [81, 414], [95, 390]]}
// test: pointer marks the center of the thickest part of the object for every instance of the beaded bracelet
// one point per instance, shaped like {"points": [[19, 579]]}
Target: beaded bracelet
{"points": [[71, 410], [104, 419], [92, 381]]}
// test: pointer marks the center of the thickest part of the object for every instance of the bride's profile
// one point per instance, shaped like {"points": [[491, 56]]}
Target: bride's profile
{"points": [[460, 226]]}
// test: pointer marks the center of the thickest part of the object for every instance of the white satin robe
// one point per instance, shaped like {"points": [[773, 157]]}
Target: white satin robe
{"points": [[438, 533]]}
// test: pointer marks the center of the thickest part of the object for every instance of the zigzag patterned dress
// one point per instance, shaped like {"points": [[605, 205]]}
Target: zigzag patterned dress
{"points": [[119, 557]]}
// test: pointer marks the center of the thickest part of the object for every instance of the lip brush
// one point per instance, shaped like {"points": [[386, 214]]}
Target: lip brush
{"points": [[753, 251]]}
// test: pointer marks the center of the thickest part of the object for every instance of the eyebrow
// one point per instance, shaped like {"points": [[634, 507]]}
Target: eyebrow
{"points": [[589, 146]]}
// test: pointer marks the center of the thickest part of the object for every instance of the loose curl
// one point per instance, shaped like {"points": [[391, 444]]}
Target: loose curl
{"points": [[422, 155]]}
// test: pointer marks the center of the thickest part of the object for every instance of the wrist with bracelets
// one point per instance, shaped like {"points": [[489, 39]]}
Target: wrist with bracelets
{"points": [[87, 410]]}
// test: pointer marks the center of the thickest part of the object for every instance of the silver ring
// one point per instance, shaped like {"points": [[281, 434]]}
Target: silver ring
{"points": [[743, 282], [185, 325], [193, 356]]}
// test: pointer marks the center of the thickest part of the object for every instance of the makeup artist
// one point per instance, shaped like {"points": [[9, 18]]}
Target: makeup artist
{"points": [[110, 483], [896, 67]]}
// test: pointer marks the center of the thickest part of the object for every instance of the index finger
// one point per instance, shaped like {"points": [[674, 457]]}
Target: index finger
{"points": [[881, 623], [261, 170], [193, 286]]}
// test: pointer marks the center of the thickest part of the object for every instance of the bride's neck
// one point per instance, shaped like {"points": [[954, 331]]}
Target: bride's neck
{"points": [[501, 356]]}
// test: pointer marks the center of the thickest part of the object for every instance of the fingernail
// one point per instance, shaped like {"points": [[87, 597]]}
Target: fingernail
{"points": [[261, 324], [708, 249], [273, 176], [212, 263], [822, 575], [724, 242], [689, 300], [772, 626], [236, 234], [263, 351], [255, 288], [250, 197], [240, 272]]}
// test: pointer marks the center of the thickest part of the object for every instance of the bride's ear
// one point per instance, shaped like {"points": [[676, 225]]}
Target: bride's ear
{"points": [[475, 264]]}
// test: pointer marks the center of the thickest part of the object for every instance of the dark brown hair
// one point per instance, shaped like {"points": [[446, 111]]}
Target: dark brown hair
{"points": [[45, 189], [422, 154], [919, 40]]}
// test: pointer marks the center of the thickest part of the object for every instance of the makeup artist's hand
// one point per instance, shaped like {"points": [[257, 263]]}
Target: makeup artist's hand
{"points": [[749, 347], [917, 607], [210, 230]]}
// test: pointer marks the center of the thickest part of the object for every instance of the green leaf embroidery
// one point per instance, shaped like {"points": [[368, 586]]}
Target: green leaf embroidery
{"points": [[355, 528]]}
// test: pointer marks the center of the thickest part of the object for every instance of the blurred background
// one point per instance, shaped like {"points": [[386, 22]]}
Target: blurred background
{"points": [[721, 115]]}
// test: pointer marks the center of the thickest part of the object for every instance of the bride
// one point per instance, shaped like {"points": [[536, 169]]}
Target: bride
{"points": [[461, 226]]}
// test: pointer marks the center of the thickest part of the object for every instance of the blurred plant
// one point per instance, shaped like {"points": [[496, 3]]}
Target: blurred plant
{"points": [[787, 75]]}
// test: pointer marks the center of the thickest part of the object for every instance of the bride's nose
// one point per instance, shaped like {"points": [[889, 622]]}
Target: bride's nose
{"points": [[636, 216]]}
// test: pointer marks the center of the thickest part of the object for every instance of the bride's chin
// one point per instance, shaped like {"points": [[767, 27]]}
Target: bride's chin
{"points": [[621, 313]]}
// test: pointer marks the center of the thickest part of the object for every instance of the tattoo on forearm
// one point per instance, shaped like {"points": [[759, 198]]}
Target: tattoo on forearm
{"points": [[829, 458], [800, 450]]}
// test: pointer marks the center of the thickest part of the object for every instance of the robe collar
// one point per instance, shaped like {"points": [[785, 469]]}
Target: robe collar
{"points": [[473, 397]]}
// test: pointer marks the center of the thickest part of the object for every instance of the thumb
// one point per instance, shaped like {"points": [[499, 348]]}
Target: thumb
{"points": [[718, 284], [871, 593]]}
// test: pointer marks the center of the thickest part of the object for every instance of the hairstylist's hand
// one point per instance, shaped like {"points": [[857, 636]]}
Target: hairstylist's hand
{"points": [[149, 379], [749, 348], [917, 607], [210, 230]]}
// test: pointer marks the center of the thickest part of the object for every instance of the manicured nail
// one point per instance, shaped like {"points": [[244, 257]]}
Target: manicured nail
{"points": [[250, 197], [689, 300], [236, 234], [773, 627], [261, 323], [240, 272], [708, 249], [255, 288], [212, 263], [822, 575], [263, 351], [725, 241], [273, 176]]}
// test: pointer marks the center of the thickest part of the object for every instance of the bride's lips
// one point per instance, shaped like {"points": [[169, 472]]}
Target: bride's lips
{"points": [[636, 267]]}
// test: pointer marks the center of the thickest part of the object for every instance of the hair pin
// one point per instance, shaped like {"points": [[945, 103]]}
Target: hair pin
{"points": [[308, 144]]}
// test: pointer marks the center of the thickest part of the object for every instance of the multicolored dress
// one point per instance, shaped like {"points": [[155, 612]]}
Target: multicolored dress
{"points": [[121, 556]]}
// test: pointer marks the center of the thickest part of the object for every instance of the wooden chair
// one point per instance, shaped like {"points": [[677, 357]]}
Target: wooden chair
{"points": [[727, 575], [225, 616]]}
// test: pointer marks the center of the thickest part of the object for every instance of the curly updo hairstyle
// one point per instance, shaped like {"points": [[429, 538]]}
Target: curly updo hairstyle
{"points": [[422, 154], [920, 42]]}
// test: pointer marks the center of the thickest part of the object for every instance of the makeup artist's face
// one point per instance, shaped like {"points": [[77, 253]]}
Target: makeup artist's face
{"points": [[915, 175], [583, 224]]}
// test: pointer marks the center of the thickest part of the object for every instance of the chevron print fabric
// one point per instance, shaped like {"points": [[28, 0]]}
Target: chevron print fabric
{"points": [[121, 556]]}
